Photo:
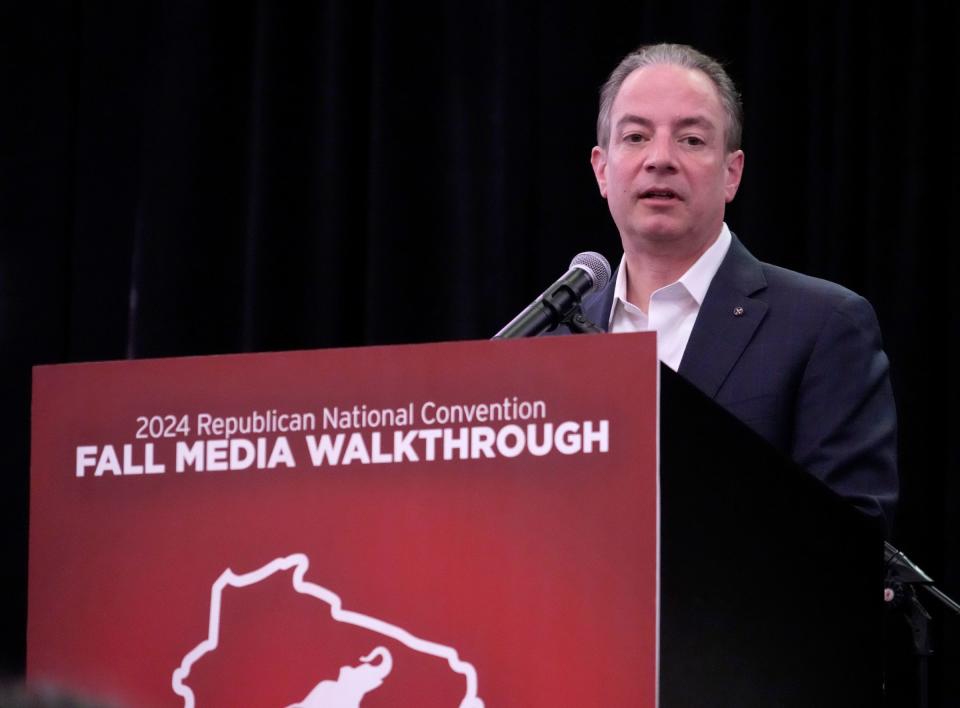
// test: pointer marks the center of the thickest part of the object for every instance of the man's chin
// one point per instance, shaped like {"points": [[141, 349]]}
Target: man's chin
{"points": [[665, 230], [664, 233]]}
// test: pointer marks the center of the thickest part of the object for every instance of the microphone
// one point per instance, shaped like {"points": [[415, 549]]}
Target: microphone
{"points": [[588, 273]]}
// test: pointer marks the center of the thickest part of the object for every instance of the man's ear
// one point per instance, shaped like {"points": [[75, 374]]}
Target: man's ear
{"points": [[734, 174], [598, 160]]}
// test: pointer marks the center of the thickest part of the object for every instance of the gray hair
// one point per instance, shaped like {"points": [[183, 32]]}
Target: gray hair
{"points": [[677, 55]]}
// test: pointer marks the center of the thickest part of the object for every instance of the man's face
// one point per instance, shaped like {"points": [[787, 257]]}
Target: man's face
{"points": [[666, 174]]}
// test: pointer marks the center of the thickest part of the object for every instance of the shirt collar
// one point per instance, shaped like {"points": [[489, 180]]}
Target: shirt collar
{"points": [[698, 277], [696, 280]]}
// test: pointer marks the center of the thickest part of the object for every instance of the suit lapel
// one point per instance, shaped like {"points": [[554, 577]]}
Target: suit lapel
{"points": [[728, 318]]}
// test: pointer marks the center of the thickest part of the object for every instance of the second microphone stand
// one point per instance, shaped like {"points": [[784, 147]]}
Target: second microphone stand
{"points": [[903, 577]]}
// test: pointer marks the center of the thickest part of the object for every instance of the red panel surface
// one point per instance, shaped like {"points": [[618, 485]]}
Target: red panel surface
{"points": [[523, 579]]}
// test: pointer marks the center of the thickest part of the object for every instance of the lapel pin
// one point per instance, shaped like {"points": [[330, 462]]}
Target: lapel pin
{"points": [[737, 311]]}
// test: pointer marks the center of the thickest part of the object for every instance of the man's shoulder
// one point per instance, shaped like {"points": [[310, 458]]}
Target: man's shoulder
{"points": [[785, 286], [786, 281]]}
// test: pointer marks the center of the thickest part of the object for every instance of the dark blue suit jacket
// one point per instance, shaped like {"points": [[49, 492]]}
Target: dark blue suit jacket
{"points": [[800, 361]]}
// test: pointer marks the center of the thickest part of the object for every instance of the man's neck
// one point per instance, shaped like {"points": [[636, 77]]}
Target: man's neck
{"points": [[651, 267]]}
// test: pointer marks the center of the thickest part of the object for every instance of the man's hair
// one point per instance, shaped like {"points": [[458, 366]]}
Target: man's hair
{"points": [[677, 55]]}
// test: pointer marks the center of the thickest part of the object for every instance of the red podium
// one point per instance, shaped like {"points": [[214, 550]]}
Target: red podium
{"points": [[459, 524]]}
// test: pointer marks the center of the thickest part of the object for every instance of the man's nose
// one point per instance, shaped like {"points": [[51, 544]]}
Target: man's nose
{"points": [[661, 155]]}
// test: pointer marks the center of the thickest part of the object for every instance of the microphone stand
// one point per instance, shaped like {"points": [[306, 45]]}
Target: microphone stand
{"points": [[899, 590], [578, 324]]}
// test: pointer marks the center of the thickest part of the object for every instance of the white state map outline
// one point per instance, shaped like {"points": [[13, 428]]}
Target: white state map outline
{"points": [[299, 562]]}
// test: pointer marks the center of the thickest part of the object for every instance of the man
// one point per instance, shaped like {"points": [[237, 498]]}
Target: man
{"points": [[797, 359]]}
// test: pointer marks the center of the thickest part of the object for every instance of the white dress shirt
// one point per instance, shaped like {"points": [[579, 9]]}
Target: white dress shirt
{"points": [[673, 308]]}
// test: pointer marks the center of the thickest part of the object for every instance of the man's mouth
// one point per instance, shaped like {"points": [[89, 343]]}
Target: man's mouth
{"points": [[659, 194]]}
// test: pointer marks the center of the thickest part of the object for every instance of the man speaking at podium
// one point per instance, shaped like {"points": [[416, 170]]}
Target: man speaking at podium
{"points": [[797, 359]]}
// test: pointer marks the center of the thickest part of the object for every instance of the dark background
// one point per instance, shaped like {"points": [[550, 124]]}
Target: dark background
{"points": [[200, 177]]}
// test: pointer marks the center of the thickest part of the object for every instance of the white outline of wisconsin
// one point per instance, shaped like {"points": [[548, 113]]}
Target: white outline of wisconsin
{"points": [[299, 563]]}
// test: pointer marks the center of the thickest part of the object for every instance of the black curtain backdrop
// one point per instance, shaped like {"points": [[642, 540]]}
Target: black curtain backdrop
{"points": [[200, 177]]}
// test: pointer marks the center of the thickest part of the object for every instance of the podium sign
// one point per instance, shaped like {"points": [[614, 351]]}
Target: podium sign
{"points": [[458, 524]]}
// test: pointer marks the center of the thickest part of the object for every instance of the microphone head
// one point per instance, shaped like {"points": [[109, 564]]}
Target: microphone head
{"points": [[596, 267]]}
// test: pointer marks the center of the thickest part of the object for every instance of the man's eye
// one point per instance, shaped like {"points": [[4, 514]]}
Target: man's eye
{"points": [[694, 140], [633, 138]]}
